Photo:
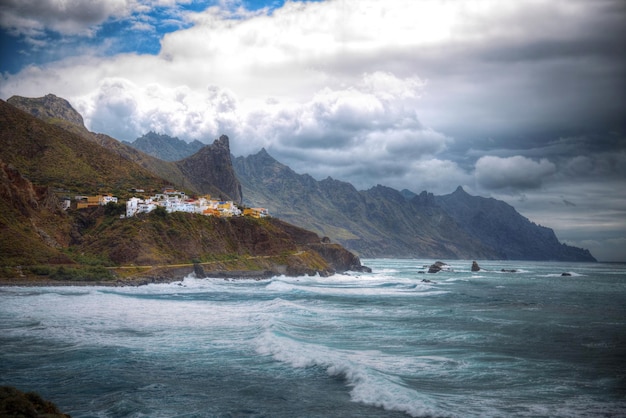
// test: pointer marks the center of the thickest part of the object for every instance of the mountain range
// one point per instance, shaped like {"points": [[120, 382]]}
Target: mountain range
{"points": [[384, 222], [379, 222]]}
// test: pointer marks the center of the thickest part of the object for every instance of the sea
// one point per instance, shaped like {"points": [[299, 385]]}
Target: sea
{"points": [[395, 342]]}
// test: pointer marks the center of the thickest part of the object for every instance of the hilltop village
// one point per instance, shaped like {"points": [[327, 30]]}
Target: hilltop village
{"points": [[172, 201]]}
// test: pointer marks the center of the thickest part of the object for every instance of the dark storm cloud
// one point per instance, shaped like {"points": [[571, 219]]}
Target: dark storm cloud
{"points": [[72, 16], [514, 172]]}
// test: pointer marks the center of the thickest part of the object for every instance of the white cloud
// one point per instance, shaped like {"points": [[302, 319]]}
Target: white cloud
{"points": [[513, 172], [126, 111]]}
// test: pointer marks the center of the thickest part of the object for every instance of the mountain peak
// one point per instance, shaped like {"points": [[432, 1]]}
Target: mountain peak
{"points": [[48, 107], [222, 141], [210, 170]]}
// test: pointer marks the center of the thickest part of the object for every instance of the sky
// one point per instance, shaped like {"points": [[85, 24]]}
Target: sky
{"points": [[523, 100]]}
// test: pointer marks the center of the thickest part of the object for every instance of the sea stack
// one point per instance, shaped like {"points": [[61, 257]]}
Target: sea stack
{"points": [[475, 266]]}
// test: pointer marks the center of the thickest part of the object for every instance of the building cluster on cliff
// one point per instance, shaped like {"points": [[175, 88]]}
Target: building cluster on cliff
{"points": [[174, 201]]}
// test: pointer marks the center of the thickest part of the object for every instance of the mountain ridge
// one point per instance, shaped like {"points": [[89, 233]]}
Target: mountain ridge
{"points": [[366, 222], [382, 222]]}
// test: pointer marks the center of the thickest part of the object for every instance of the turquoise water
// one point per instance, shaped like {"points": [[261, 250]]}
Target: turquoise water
{"points": [[529, 343]]}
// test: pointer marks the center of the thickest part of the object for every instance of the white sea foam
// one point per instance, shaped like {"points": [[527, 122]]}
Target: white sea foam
{"points": [[564, 274], [369, 385]]}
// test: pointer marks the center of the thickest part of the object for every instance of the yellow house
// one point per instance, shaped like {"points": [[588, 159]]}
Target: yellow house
{"points": [[256, 212], [211, 212], [92, 201], [88, 202]]}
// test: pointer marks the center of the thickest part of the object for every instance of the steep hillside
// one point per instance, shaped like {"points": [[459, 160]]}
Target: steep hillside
{"points": [[499, 225], [33, 228], [164, 147], [58, 111], [377, 222]]}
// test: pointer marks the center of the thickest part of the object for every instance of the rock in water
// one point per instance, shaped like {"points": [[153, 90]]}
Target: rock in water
{"points": [[436, 267], [475, 266]]}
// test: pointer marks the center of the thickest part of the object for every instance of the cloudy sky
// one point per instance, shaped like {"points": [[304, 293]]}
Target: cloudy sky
{"points": [[519, 100]]}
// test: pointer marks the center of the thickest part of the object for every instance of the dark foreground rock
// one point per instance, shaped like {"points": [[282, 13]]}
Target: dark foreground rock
{"points": [[15, 403], [475, 266]]}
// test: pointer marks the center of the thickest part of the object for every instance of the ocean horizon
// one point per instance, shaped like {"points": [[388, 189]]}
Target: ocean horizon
{"points": [[540, 339]]}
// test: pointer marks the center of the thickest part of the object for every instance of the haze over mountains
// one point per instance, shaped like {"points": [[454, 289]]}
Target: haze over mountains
{"points": [[379, 222], [165, 147]]}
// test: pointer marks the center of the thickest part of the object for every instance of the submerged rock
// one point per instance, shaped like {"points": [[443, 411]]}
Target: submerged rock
{"points": [[566, 274], [508, 271]]}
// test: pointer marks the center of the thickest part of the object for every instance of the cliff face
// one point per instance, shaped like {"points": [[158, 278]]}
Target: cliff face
{"points": [[33, 229], [210, 170]]}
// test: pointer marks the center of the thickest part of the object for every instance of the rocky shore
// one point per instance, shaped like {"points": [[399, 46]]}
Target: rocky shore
{"points": [[253, 268]]}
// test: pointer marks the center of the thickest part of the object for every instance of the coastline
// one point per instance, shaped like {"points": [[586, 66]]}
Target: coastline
{"points": [[161, 274], [136, 281], [296, 264]]}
